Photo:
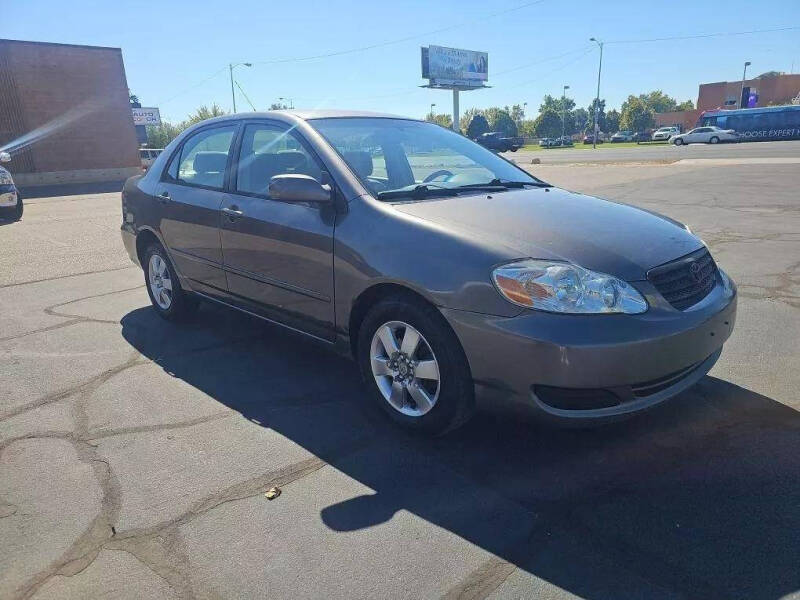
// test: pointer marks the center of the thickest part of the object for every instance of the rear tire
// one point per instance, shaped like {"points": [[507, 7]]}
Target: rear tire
{"points": [[714, 140], [169, 300], [449, 399]]}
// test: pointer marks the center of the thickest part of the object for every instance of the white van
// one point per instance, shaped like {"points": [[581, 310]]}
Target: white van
{"points": [[148, 155]]}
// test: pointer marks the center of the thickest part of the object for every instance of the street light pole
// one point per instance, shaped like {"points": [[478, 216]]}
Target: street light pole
{"points": [[564, 113], [744, 76], [291, 102], [597, 98], [231, 67], [432, 105]]}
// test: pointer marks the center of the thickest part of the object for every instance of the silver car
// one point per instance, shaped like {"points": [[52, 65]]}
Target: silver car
{"points": [[10, 199], [450, 275]]}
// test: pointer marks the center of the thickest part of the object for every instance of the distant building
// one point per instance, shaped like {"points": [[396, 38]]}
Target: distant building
{"points": [[65, 114], [780, 89]]}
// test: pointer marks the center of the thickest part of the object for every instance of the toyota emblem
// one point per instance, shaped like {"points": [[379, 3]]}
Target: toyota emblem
{"points": [[694, 271]]}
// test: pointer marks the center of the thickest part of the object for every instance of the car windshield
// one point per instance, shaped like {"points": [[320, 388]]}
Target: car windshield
{"points": [[398, 158]]}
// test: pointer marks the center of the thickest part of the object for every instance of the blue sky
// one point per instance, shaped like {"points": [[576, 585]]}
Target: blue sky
{"points": [[176, 53]]}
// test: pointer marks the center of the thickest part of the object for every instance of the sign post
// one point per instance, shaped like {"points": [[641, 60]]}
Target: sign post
{"points": [[454, 69]]}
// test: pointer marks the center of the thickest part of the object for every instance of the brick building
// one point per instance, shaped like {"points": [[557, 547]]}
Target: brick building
{"points": [[65, 114], [768, 91]]}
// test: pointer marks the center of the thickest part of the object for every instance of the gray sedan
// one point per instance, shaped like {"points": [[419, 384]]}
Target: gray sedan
{"points": [[449, 274]]}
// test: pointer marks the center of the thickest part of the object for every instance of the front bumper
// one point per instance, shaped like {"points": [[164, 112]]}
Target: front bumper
{"points": [[634, 361], [8, 196]]}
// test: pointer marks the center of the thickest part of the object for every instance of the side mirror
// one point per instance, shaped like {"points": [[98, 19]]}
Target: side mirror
{"points": [[292, 187], [5, 157]]}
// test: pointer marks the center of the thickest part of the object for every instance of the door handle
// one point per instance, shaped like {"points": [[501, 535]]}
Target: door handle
{"points": [[164, 197], [232, 213]]}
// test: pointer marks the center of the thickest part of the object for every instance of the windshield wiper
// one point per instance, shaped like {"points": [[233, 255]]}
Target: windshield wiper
{"points": [[502, 184], [418, 192]]}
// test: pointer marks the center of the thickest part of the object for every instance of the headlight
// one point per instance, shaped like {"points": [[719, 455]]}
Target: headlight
{"points": [[562, 287], [5, 178]]}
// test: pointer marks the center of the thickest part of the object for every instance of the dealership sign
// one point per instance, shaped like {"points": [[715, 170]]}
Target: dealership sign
{"points": [[146, 116], [446, 67]]}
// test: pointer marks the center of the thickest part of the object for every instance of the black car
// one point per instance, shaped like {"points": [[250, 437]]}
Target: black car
{"points": [[495, 140]]}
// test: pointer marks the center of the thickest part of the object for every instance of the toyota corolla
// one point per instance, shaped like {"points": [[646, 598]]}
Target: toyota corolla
{"points": [[449, 274]]}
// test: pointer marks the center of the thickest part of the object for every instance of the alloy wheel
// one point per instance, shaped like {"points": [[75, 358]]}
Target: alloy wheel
{"points": [[160, 282], [405, 368]]}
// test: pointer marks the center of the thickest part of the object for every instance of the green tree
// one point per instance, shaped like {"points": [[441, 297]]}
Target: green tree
{"points": [[770, 74], [203, 113], [500, 120], [477, 126], [516, 113], [527, 128], [658, 101], [636, 115], [133, 98], [548, 124], [445, 120], [580, 116], [612, 121], [158, 136], [278, 106], [466, 118], [688, 105], [601, 115]]}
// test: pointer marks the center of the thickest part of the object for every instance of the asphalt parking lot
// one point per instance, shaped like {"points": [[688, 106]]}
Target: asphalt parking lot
{"points": [[134, 454]]}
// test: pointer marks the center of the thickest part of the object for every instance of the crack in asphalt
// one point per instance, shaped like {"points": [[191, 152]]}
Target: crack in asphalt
{"points": [[31, 281]]}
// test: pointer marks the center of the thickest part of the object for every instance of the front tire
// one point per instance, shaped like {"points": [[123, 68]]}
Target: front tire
{"points": [[678, 142], [414, 367], [15, 212], [169, 300]]}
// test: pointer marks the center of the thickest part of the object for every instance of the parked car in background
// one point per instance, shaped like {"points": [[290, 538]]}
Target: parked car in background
{"points": [[662, 134], [622, 136], [495, 140], [10, 198], [148, 156], [545, 142], [589, 138], [641, 136], [582, 309], [566, 141], [705, 135]]}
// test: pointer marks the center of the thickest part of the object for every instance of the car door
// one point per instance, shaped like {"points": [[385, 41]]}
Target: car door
{"points": [[278, 256], [190, 196]]}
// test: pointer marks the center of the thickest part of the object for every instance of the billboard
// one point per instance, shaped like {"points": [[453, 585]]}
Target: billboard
{"points": [[146, 116], [456, 67]]}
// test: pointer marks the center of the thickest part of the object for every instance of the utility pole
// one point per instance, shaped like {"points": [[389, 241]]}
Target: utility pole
{"points": [[231, 67], [291, 102], [432, 105], [597, 98], [564, 113], [455, 111], [744, 76]]}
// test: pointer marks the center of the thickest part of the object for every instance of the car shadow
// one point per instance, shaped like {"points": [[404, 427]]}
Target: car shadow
{"points": [[698, 498]]}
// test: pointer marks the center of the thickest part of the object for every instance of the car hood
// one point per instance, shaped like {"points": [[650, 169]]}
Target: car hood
{"points": [[551, 223]]}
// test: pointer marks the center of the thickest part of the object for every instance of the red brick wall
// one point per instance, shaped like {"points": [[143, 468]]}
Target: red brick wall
{"points": [[81, 91], [712, 96]]}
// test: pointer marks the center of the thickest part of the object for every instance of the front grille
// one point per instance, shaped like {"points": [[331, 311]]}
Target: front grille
{"points": [[683, 284]]}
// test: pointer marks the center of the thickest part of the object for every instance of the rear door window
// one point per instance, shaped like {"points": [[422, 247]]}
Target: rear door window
{"points": [[204, 157]]}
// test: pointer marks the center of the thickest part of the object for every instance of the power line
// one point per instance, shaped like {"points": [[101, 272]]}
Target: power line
{"points": [[703, 35], [362, 48], [400, 40], [538, 62]]}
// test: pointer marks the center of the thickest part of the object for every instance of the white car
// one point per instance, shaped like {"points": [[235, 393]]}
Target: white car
{"points": [[662, 134], [10, 198], [705, 135]]}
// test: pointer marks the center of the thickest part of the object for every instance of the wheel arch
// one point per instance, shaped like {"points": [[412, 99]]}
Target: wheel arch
{"points": [[144, 238], [374, 294]]}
